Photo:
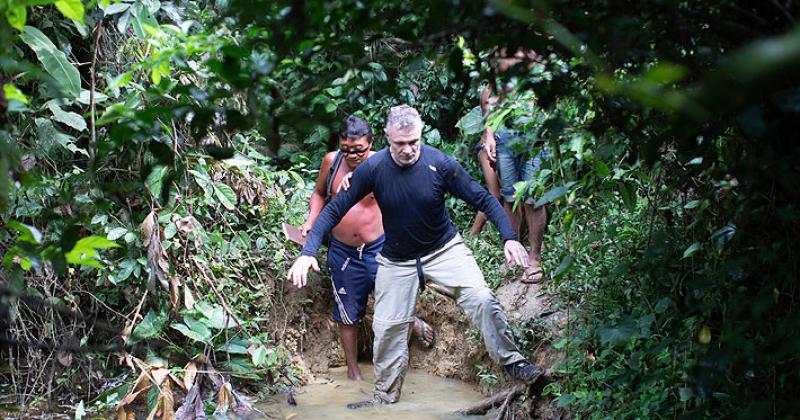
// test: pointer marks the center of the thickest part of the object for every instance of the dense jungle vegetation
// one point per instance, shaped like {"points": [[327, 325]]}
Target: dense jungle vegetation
{"points": [[150, 149]]}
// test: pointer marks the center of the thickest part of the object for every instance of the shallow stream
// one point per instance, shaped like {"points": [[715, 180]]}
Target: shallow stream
{"points": [[424, 397]]}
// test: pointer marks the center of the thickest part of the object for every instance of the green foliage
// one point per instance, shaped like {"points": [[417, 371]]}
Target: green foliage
{"points": [[53, 60], [672, 207]]}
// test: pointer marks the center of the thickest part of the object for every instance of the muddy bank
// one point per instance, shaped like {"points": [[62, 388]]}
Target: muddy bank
{"points": [[306, 329]]}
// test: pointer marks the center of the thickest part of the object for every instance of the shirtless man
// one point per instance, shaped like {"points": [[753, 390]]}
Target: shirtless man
{"points": [[354, 242]]}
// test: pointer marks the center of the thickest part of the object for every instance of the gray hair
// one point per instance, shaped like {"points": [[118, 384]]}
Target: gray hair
{"points": [[403, 118]]}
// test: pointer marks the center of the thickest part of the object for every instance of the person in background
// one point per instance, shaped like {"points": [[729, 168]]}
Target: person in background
{"points": [[488, 161], [516, 160]]}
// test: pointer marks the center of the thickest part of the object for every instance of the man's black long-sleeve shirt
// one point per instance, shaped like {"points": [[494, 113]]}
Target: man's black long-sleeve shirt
{"points": [[412, 203]]}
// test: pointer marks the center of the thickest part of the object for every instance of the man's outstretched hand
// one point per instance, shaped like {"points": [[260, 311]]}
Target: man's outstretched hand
{"points": [[515, 253], [298, 274]]}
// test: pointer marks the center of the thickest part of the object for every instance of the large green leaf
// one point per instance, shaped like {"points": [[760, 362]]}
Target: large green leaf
{"points": [[49, 134], [554, 194], [85, 251], [472, 122], [141, 16], [155, 180], [618, 334], [116, 233], [214, 316], [54, 61], [225, 195], [262, 356], [71, 119], [12, 92], [72, 9], [150, 326], [193, 329], [235, 346]]}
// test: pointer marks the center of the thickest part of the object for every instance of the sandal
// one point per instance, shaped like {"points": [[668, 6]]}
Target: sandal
{"points": [[421, 336], [534, 276]]}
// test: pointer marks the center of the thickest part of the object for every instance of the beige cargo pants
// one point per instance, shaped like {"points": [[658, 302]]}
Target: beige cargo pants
{"points": [[454, 268]]}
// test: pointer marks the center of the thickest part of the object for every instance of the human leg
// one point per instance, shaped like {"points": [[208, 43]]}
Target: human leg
{"points": [[352, 279], [455, 268], [349, 336], [396, 288], [492, 185], [535, 218], [508, 174]]}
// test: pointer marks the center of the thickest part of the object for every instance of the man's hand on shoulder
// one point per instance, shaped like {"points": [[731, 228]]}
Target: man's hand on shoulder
{"points": [[345, 184], [516, 253], [298, 274]]}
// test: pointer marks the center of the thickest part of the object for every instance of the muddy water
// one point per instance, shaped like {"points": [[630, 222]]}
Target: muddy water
{"points": [[424, 397]]}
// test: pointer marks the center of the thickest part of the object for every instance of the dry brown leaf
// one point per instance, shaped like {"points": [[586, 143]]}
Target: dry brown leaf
{"points": [[188, 298], [224, 399], [128, 359], [149, 223], [123, 414], [174, 291], [291, 416], [186, 224], [158, 375], [190, 373], [126, 333], [64, 358], [177, 381], [156, 255], [164, 408], [131, 397]]}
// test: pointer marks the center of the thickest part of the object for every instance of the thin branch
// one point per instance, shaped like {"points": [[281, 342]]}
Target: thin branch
{"points": [[98, 30], [219, 296]]}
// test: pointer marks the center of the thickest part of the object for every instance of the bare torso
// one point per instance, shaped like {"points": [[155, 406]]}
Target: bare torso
{"points": [[363, 223]]}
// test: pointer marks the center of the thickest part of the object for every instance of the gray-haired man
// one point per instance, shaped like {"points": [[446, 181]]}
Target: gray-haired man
{"points": [[409, 182]]}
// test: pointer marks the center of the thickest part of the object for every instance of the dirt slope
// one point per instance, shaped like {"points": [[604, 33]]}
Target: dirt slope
{"points": [[303, 322]]}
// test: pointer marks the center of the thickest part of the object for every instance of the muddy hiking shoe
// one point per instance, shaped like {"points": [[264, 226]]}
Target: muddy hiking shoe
{"points": [[524, 371], [364, 404]]}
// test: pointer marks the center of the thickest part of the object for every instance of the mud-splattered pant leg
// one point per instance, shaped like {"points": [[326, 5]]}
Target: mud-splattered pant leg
{"points": [[454, 268], [396, 287]]}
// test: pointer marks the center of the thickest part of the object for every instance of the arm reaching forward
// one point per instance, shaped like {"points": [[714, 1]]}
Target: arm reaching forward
{"points": [[460, 184], [360, 186]]}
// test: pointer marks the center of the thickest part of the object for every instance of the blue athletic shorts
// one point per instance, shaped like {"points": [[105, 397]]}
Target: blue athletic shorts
{"points": [[353, 272]]}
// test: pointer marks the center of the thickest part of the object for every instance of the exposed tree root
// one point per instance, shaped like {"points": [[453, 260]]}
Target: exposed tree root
{"points": [[502, 399], [505, 397]]}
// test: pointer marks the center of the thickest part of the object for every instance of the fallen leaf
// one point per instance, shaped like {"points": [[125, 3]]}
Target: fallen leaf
{"points": [[188, 298], [64, 358], [190, 373], [224, 399]]}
